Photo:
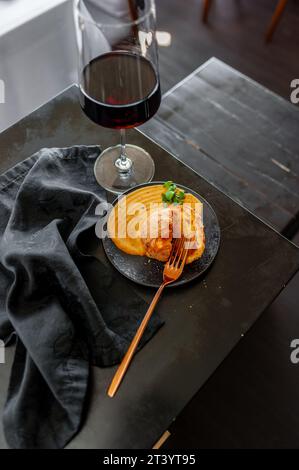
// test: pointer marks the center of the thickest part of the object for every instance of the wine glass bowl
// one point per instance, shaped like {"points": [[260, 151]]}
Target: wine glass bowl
{"points": [[119, 83]]}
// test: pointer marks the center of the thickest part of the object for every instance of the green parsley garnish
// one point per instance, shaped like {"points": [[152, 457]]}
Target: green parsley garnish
{"points": [[172, 195]]}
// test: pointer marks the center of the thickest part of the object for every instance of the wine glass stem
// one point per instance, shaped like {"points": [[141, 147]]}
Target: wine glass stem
{"points": [[123, 163]]}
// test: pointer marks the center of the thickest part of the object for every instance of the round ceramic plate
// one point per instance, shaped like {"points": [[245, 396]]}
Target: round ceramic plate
{"points": [[149, 272]]}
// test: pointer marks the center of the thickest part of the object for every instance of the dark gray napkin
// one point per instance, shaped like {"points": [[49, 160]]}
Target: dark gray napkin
{"points": [[46, 203]]}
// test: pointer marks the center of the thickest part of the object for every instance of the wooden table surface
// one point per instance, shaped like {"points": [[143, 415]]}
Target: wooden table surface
{"points": [[217, 120], [203, 321], [239, 136]]}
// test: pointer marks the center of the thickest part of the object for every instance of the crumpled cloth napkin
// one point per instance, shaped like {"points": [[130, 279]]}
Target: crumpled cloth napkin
{"points": [[46, 203]]}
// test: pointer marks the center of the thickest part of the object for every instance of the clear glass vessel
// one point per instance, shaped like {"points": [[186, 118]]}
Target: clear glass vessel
{"points": [[119, 81]]}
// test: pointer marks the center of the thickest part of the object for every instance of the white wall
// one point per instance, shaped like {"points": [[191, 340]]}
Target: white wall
{"points": [[38, 56]]}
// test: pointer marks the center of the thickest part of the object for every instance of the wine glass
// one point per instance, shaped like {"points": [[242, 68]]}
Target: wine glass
{"points": [[119, 81]]}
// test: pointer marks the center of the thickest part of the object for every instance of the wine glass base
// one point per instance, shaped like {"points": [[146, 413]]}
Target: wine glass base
{"points": [[110, 178]]}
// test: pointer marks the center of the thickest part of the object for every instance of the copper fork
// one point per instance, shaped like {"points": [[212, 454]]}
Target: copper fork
{"points": [[172, 271]]}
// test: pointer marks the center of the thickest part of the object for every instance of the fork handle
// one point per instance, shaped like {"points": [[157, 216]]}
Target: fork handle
{"points": [[119, 374]]}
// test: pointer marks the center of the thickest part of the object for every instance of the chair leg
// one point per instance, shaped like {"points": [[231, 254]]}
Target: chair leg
{"points": [[275, 19], [206, 8]]}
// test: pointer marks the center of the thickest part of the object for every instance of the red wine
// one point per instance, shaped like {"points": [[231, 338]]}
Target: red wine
{"points": [[120, 90]]}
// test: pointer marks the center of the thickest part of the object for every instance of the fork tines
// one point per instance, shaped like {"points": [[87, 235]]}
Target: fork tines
{"points": [[178, 253]]}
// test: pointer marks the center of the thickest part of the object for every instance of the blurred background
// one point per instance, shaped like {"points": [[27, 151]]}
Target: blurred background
{"points": [[38, 51]]}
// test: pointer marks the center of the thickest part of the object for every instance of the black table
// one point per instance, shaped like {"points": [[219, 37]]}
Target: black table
{"points": [[238, 135], [208, 121], [204, 320]]}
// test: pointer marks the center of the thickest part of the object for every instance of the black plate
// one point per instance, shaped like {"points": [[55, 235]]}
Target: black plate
{"points": [[149, 272]]}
